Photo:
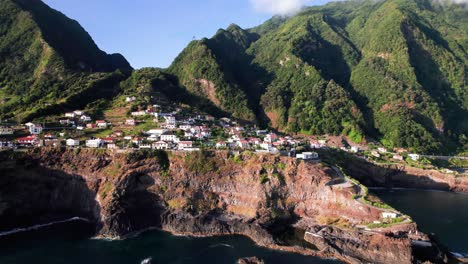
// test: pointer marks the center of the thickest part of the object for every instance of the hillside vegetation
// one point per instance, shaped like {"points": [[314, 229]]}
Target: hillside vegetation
{"points": [[48, 62], [393, 70]]}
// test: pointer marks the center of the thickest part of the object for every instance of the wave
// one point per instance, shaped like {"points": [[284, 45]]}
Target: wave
{"points": [[459, 255], [36, 227], [221, 245], [147, 261]]}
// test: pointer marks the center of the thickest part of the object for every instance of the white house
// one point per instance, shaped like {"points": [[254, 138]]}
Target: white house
{"points": [[94, 143], [6, 131], [130, 99], [170, 119], [70, 114], [389, 215], [85, 118], [72, 142], [185, 144], [185, 127], [414, 157], [168, 137], [265, 146], [160, 145], [152, 138], [156, 132], [382, 150], [355, 149], [307, 155], [35, 129], [221, 144], [144, 146], [79, 112], [270, 138], [139, 113], [101, 124], [130, 122]]}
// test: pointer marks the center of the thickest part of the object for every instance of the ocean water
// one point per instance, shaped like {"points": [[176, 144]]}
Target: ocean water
{"points": [[70, 243], [443, 213]]}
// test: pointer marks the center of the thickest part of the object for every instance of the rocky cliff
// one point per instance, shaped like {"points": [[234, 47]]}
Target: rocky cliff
{"points": [[401, 176], [201, 193]]}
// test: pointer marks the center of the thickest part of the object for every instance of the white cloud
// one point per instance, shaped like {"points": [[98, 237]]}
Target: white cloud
{"points": [[278, 7]]}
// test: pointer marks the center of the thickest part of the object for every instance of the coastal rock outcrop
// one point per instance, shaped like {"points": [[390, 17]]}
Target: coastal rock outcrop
{"points": [[201, 194]]}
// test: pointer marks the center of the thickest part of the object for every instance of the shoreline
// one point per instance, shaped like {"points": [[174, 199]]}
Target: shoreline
{"points": [[416, 189]]}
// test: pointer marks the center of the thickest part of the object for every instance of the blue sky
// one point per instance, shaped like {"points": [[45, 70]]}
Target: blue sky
{"points": [[151, 33]]}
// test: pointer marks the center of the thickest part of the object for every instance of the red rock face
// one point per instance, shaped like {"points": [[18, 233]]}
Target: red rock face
{"points": [[202, 193]]}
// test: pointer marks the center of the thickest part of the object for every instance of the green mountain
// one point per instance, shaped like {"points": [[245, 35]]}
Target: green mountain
{"points": [[48, 62], [395, 70]]}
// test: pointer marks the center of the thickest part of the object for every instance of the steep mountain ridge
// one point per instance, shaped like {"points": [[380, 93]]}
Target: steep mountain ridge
{"points": [[47, 59], [391, 70], [398, 68]]}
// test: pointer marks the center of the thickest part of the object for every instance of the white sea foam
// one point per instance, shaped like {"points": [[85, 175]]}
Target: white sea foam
{"points": [[147, 261], [36, 227]]}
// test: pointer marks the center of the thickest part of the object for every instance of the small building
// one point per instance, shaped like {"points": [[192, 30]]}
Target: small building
{"points": [[50, 136], [28, 141], [108, 140], [382, 150], [355, 149], [144, 146], [185, 127], [91, 126], [94, 143], [139, 113], [375, 154], [35, 129], [414, 157], [221, 144], [72, 142], [168, 136], [101, 124], [307, 155], [64, 122], [389, 215], [185, 144], [6, 131], [157, 132], [79, 112], [130, 99], [270, 138], [70, 114], [112, 146], [398, 157], [4, 144], [160, 145], [152, 138], [130, 122], [86, 118]]}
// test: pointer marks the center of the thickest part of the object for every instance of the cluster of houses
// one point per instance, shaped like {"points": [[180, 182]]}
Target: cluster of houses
{"points": [[174, 132]]}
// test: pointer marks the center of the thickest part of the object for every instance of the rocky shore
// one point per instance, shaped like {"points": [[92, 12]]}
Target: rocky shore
{"points": [[264, 197], [401, 176]]}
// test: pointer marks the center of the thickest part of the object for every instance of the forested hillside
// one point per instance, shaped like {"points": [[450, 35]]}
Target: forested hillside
{"points": [[393, 70], [49, 62]]}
